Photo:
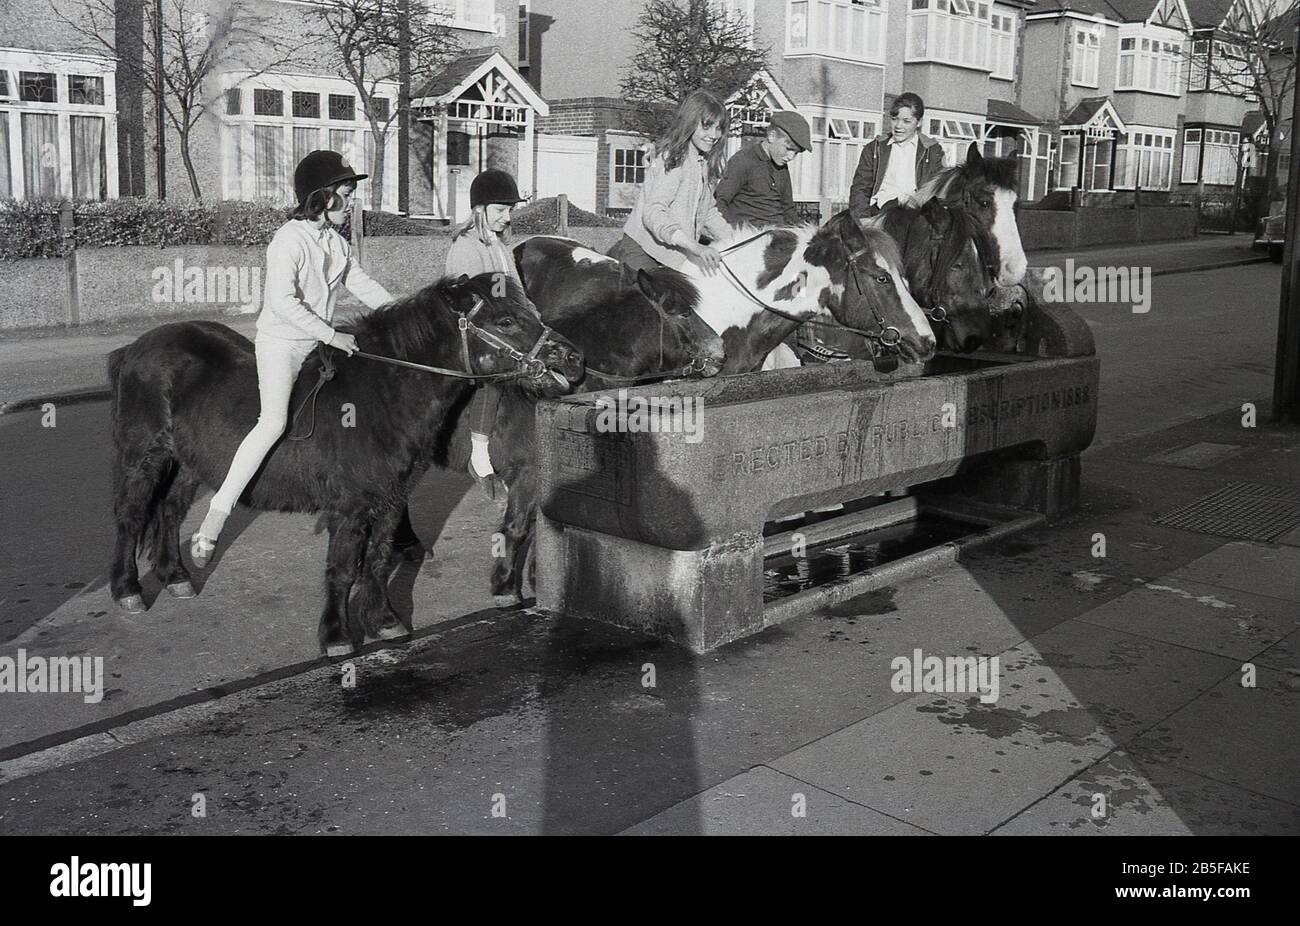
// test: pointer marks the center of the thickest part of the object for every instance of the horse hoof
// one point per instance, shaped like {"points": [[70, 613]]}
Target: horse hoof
{"points": [[506, 601], [182, 589], [337, 650], [132, 604], [393, 633]]}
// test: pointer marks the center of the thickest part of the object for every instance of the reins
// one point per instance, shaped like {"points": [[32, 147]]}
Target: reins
{"points": [[527, 364]]}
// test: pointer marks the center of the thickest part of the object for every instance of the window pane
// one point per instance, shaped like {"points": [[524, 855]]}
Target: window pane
{"points": [[233, 102], [345, 143], [379, 108], [86, 90], [41, 154], [342, 106], [36, 87], [799, 25], [306, 105], [268, 102], [305, 141], [88, 173], [268, 162]]}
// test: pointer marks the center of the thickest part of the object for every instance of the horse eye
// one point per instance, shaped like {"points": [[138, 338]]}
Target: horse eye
{"points": [[506, 322], [882, 279], [984, 203]]}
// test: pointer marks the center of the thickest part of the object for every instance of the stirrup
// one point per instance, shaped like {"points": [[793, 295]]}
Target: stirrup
{"points": [[201, 549]]}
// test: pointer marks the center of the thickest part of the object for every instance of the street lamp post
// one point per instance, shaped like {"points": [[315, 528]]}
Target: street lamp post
{"points": [[160, 143]]}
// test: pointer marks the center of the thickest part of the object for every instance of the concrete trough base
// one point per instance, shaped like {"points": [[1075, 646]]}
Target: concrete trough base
{"points": [[691, 596]]}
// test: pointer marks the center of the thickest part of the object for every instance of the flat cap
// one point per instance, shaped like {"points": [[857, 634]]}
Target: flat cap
{"points": [[794, 125]]}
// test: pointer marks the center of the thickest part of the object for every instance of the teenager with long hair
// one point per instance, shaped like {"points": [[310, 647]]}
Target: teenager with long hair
{"points": [[675, 208]]}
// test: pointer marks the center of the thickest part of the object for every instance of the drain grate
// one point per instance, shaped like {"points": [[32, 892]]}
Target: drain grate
{"points": [[1245, 510]]}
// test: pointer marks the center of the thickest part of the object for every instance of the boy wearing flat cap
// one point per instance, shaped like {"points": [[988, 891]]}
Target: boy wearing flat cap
{"points": [[755, 188]]}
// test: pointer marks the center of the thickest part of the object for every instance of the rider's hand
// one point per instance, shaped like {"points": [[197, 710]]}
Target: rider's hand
{"points": [[706, 258], [344, 342]]}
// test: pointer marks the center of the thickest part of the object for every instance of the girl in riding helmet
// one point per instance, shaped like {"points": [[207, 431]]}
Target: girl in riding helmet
{"points": [[675, 207], [482, 245], [306, 263]]}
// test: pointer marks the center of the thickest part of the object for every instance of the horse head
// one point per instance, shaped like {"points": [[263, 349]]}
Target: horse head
{"points": [[952, 268], [985, 189], [870, 292], [501, 331], [675, 299]]}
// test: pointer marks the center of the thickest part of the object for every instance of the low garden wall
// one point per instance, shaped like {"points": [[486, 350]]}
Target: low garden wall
{"points": [[1097, 226]]}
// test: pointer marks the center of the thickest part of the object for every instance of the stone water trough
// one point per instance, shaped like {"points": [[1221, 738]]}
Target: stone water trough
{"points": [[663, 531]]}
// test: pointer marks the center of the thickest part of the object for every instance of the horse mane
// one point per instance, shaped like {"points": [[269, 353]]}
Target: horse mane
{"points": [[1001, 172], [407, 326], [676, 287]]}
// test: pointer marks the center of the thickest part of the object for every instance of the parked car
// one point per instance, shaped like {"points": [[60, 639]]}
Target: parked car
{"points": [[1271, 232]]}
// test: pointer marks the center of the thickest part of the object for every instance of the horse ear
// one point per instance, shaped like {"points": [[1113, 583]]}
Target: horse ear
{"points": [[973, 155]]}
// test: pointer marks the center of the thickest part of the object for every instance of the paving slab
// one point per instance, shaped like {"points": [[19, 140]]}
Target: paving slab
{"points": [[1284, 655], [1260, 568], [1236, 735], [1210, 618], [764, 802], [1088, 684], [1119, 796]]}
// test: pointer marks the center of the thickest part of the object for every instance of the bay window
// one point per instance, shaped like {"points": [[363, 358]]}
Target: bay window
{"points": [[58, 126], [1002, 44], [954, 132], [1087, 55], [1145, 159], [852, 29], [262, 143], [1148, 63], [838, 137], [1219, 165], [949, 31]]}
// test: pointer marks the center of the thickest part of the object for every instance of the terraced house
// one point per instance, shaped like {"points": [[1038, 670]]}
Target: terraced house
{"points": [[76, 120], [1133, 94], [1095, 97]]}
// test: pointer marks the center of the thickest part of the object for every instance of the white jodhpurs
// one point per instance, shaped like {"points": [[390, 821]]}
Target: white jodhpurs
{"points": [[278, 363]]}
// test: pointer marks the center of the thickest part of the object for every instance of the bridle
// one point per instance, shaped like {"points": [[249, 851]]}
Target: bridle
{"points": [[880, 336], [526, 364], [937, 312]]}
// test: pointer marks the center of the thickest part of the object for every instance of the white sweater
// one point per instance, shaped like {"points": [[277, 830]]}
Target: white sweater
{"points": [[304, 268]]}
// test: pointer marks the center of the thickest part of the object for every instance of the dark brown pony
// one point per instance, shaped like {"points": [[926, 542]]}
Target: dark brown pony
{"points": [[184, 395]]}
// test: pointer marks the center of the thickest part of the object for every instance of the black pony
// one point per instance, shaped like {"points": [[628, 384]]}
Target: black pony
{"points": [[184, 395]]}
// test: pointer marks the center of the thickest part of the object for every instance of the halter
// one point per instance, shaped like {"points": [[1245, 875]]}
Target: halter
{"points": [[696, 364], [527, 365], [938, 312], [882, 336]]}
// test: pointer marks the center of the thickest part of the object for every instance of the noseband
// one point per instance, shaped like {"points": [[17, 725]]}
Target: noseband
{"points": [[938, 312]]}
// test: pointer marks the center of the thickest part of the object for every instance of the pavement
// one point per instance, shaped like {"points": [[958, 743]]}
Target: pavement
{"points": [[1149, 682]]}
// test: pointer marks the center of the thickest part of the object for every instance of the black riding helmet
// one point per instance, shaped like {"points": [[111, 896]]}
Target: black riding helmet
{"points": [[321, 170], [494, 186]]}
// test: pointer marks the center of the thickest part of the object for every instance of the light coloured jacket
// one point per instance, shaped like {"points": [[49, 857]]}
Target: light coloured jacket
{"points": [[305, 267], [675, 199], [470, 256]]}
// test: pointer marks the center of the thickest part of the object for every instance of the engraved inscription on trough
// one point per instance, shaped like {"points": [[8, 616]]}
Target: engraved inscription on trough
{"points": [[853, 443], [592, 465]]}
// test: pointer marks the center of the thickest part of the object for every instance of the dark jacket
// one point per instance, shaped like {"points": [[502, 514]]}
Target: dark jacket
{"points": [[753, 190], [875, 159]]}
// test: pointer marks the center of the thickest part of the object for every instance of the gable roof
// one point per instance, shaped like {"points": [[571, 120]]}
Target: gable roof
{"points": [[462, 73], [1092, 110], [1004, 113]]}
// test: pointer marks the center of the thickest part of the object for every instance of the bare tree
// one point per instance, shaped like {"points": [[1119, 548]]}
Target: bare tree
{"points": [[198, 42], [371, 41], [1252, 54], [687, 45]]}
